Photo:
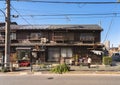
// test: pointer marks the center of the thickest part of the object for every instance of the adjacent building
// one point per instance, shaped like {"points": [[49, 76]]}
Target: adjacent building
{"points": [[107, 45], [50, 43]]}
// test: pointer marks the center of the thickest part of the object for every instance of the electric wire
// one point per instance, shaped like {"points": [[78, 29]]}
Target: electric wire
{"points": [[111, 22], [70, 2], [109, 28], [69, 14], [20, 15], [65, 2]]}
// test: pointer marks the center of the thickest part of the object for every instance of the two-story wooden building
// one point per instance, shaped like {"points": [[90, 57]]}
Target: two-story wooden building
{"points": [[51, 42]]}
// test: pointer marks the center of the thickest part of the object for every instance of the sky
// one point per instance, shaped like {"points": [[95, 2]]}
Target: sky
{"points": [[32, 13]]}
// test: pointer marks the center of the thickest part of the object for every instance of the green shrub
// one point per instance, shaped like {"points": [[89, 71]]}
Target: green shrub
{"points": [[107, 60], [4, 70], [61, 68]]}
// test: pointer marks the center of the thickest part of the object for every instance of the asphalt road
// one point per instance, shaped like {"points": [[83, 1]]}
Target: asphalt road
{"points": [[60, 80]]}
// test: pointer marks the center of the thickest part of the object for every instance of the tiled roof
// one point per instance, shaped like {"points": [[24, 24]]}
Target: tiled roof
{"points": [[50, 27]]}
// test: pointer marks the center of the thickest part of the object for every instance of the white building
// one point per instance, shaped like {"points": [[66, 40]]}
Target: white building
{"points": [[107, 45]]}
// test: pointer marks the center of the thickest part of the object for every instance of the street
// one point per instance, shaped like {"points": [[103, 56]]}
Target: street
{"points": [[91, 79]]}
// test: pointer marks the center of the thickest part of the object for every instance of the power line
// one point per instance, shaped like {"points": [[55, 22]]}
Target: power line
{"points": [[60, 2], [61, 18], [71, 2], [109, 29], [65, 2], [45, 15], [21, 15], [55, 16], [92, 14]]}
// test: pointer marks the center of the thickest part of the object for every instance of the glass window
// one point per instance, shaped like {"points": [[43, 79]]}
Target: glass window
{"points": [[53, 54], [35, 35], [23, 54], [13, 36], [1, 56], [2, 35], [66, 52], [86, 36]]}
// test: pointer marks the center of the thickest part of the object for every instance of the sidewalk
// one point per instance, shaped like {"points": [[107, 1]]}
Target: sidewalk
{"points": [[96, 68], [74, 70]]}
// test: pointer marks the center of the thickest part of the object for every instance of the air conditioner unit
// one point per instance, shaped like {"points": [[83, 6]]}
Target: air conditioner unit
{"points": [[43, 40]]}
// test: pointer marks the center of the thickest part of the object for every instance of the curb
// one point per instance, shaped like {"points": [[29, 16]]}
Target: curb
{"points": [[69, 73]]}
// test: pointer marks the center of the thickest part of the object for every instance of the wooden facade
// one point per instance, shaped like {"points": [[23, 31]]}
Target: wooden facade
{"points": [[51, 42]]}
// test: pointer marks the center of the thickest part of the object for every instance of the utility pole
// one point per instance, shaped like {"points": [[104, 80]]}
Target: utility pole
{"points": [[7, 36]]}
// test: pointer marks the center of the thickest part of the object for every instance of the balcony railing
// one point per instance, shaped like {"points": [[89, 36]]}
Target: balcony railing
{"points": [[58, 38], [87, 39]]}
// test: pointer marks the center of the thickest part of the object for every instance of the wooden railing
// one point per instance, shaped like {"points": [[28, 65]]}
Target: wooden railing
{"points": [[58, 38], [87, 39]]}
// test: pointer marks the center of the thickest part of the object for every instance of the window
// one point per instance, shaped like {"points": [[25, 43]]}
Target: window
{"points": [[23, 54], [1, 57], [13, 36], [35, 35], [53, 54], [66, 52], [86, 37], [2, 35]]}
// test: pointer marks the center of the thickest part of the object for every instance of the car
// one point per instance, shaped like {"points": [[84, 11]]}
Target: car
{"points": [[116, 57], [24, 63]]}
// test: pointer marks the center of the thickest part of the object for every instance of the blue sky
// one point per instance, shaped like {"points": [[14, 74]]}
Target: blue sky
{"points": [[28, 12]]}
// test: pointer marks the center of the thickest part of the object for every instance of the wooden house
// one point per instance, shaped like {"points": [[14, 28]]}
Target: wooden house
{"points": [[50, 43]]}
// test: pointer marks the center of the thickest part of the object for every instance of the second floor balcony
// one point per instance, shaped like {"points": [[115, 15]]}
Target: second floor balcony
{"points": [[89, 39]]}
